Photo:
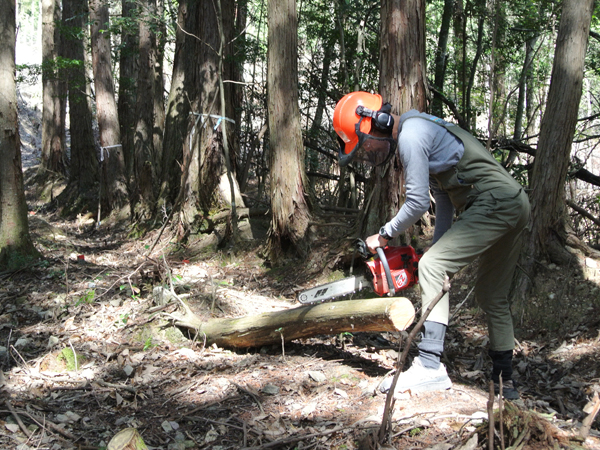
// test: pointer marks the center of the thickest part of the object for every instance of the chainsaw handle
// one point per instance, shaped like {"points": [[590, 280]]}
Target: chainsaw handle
{"points": [[386, 267]]}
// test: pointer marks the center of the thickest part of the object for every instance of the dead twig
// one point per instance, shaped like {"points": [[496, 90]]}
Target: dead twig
{"points": [[386, 423], [490, 408], [500, 408], [460, 305], [586, 425], [18, 419], [251, 394], [42, 422]]}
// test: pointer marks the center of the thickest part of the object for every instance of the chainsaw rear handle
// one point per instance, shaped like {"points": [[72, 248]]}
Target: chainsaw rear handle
{"points": [[386, 267]]}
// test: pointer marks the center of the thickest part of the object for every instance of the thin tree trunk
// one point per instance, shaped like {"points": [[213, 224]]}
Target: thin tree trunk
{"points": [[145, 158], [84, 170], [252, 139], [289, 202], [520, 112], [469, 87], [54, 90], [128, 61], [15, 242], [460, 55], [114, 186], [530, 92], [441, 57], [498, 64]]}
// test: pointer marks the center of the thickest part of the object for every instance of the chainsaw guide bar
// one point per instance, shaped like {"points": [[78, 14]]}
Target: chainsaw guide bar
{"points": [[334, 289]]}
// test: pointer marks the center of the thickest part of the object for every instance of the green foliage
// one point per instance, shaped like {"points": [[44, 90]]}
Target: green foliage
{"points": [[123, 318], [148, 344], [415, 431], [31, 73], [28, 73], [73, 361], [87, 298]]}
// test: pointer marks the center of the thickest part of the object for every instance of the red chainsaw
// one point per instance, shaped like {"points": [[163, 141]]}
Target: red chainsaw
{"points": [[393, 269]]}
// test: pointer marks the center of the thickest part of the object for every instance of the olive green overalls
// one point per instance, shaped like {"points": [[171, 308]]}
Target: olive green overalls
{"points": [[493, 211]]}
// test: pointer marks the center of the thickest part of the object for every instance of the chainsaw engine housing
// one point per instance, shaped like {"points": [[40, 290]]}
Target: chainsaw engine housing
{"points": [[403, 263]]}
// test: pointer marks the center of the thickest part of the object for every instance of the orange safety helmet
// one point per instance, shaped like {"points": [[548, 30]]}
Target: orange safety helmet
{"points": [[353, 121]]}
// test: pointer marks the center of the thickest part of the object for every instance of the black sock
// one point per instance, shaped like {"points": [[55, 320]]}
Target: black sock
{"points": [[432, 344], [501, 364]]}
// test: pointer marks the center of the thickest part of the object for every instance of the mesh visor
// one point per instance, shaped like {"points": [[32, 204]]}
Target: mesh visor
{"points": [[372, 150], [375, 150]]}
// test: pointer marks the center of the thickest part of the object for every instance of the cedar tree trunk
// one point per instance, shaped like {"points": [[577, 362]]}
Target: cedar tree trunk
{"points": [[128, 62], [54, 90], [145, 158], [289, 202], [403, 84], [548, 202], [15, 242], [84, 170], [114, 186]]}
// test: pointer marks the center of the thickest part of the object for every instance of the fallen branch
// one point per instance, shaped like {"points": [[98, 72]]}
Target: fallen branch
{"points": [[370, 315], [18, 419]]}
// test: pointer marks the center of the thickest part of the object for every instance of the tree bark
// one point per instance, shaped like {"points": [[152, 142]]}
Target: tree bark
{"points": [[289, 202], [498, 70], [460, 64], [441, 56], [471, 118], [548, 233], [128, 62], [370, 315], [178, 103], [84, 170], [15, 242], [114, 185], [54, 91], [403, 84], [204, 159], [145, 158]]}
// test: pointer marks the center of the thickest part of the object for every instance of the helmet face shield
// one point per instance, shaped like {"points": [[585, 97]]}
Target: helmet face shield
{"points": [[372, 150]]}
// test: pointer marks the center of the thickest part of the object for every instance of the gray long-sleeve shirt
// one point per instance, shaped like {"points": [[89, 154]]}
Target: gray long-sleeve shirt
{"points": [[424, 148]]}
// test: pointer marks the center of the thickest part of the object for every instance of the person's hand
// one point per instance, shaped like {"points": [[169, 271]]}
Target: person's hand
{"points": [[375, 241]]}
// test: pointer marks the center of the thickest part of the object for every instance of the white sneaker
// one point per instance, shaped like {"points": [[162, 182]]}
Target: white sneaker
{"points": [[419, 378]]}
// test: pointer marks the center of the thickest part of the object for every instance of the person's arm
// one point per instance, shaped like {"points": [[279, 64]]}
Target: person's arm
{"points": [[414, 154]]}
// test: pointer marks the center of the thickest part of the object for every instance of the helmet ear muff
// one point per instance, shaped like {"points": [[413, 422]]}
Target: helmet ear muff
{"points": [[382, 120]]}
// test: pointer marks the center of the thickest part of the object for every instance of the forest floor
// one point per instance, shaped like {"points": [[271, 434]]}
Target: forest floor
{"points": [[93, 294]]}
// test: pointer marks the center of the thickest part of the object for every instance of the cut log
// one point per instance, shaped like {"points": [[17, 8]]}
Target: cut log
{"points": [[373, 315]]}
